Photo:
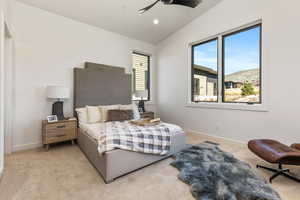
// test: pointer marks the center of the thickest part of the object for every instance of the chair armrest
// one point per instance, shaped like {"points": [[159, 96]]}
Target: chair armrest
{"points": [[296, 146]]}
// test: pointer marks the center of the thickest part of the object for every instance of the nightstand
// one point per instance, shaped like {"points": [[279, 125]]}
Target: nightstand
{"points": [[63, 130], [147, 115]]}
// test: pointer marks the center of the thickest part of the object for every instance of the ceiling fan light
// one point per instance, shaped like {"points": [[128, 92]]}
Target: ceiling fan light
{"points": [[155, 21]]}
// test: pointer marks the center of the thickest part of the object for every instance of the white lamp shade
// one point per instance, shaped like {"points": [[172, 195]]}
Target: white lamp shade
{"points": [[141, 93], [58, 92]]}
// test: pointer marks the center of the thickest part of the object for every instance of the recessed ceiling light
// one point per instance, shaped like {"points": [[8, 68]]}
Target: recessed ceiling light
{"points": [[155, 21]]}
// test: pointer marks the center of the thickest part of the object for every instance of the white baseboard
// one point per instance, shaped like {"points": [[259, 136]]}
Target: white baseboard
{"points": [[216, 136], [23, 147]]}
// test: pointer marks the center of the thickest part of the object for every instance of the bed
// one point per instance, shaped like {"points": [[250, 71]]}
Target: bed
{"points": [[106, 85]]}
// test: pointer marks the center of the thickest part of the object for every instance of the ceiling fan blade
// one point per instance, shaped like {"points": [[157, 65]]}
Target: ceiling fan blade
{"points": [[148, 7], [189, 3]]}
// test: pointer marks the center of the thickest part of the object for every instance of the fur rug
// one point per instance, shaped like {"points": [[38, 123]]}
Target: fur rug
{"points": [[216, 175]]}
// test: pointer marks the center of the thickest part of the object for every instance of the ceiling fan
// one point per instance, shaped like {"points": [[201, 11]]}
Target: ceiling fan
{"points": [[188, 3]]}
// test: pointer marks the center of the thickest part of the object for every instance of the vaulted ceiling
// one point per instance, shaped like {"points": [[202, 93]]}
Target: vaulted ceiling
{"points": [[121, 16]]}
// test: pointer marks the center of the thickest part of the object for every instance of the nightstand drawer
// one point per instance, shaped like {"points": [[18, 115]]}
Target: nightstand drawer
{"points": [[60, 132], [58, 138], [60, 126]]}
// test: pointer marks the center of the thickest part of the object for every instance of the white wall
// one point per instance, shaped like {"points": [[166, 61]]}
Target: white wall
{"points": [[281, 50], [5, 18], [48, 47]]}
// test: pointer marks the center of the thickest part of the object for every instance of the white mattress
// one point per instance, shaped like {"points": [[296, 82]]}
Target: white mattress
{"points": [[96, 129]]}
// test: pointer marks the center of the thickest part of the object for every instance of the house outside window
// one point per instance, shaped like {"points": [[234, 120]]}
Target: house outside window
{"points": [[205, 71]]}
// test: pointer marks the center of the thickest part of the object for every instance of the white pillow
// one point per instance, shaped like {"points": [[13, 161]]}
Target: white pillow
{"points": [[134, 108], [94, 114], [105, 109], [82, 115]]}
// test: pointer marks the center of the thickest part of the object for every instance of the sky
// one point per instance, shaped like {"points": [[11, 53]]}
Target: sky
{"points": [[241, 52]]}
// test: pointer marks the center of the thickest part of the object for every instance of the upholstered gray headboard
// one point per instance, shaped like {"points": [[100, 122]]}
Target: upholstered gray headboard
{"points": [[98, 84]]}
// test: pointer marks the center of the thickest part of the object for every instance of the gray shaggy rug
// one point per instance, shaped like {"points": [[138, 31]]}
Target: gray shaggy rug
{"points": [[216, 175]]}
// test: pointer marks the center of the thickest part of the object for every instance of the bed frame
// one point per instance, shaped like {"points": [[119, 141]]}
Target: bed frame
{"points": [[106, 85]]}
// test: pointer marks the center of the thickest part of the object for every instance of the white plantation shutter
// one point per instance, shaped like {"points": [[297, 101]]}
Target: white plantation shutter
{"points": [[140, 72]]}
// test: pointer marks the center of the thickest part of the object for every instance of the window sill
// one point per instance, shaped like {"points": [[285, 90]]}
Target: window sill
{"points": [[152, 103], [229, 106]]}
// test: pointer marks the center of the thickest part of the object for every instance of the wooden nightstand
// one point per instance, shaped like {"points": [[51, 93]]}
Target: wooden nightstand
{"points": [[60, 131], [147, 115]]}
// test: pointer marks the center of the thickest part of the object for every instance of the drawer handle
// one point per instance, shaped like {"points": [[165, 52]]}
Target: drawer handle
{"points": [[63, 126], [60, 135]]}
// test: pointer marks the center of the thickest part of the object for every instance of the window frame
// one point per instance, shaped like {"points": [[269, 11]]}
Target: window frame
{"points": [[223, 36], [148, 75], [192, 69], [260, 106]]}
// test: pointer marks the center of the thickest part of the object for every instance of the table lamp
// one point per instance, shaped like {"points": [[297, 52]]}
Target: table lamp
{"points": [[141, 94], [59, 93]]}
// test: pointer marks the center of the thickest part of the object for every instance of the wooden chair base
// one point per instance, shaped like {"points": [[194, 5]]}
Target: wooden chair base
{"points": [[279, 172]]}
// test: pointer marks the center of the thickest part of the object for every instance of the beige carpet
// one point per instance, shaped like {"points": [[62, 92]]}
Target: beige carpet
{"points": [[64, 173]]}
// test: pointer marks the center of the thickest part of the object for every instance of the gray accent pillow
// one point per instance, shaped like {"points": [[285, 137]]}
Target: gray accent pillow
{"points": [[119, 115]]}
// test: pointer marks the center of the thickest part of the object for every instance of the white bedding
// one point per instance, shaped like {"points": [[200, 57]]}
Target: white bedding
{"points": [[97, 129]]}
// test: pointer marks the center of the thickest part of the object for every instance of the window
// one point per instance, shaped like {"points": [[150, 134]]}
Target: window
{"points": [[141, 74], [241, 66], [205, 71], [240, 53]]}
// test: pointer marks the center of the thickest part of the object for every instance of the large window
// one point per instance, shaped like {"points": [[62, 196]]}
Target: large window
{"points": [[141, 74], [240, 53]]}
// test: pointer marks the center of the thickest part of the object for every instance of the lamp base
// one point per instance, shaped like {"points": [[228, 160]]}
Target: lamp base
{"points": [[142, 106], [58, 110]]}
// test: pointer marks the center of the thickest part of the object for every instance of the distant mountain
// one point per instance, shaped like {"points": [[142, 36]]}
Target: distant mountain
{"points": [[251, 75]]}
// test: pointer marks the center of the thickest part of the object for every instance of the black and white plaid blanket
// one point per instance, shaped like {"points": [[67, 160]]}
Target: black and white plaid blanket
{"points": [[127, 136]]}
